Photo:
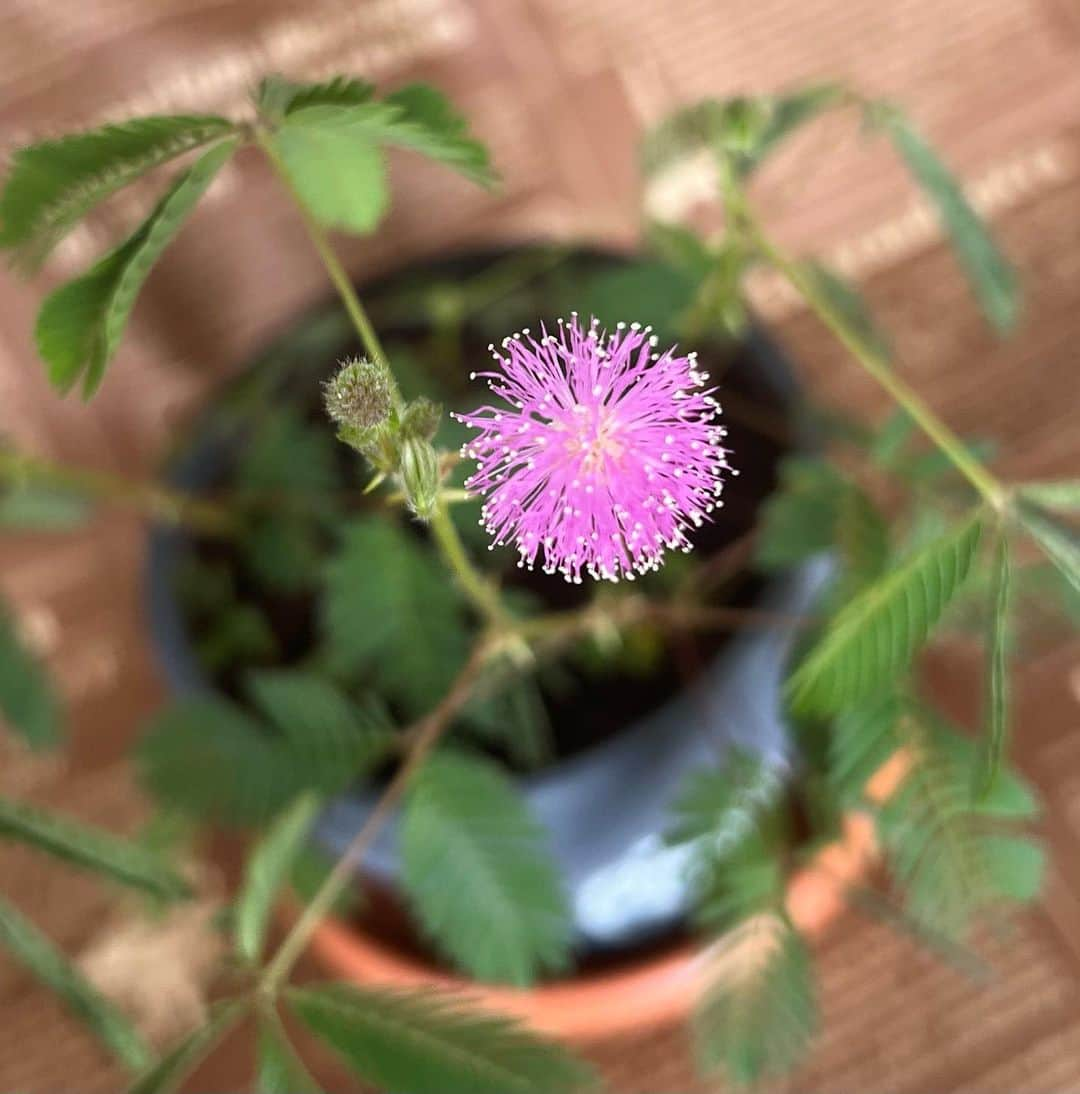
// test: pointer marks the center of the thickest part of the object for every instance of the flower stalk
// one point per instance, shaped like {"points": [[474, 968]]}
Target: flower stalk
{"points": [[993, 492]]}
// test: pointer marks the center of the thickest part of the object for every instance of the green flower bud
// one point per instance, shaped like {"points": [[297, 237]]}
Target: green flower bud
{"points": [[361, 395], [419, 476], [745, 123], [421, 419]]}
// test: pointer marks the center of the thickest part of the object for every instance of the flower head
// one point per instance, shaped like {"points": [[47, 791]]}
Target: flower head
{"points": [[604, 453]]}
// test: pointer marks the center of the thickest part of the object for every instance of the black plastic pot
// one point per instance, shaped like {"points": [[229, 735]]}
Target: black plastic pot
{"points": [[606, 808]]}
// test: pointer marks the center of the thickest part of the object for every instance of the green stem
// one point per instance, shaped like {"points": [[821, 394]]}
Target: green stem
{"points": [[480, 591], [878, 366], [336, 272], [155, 501]]}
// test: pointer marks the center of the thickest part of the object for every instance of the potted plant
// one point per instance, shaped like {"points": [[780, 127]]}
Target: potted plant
{"points": [[550, 758]]}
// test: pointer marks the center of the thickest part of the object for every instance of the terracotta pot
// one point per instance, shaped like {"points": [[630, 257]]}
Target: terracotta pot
{"points": [[641, 996]]}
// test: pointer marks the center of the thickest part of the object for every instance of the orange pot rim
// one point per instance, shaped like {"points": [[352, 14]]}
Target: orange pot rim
{"points": [[640, 995]]}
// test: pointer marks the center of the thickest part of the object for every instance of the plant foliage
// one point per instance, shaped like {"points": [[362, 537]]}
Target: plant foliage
{"points": [[267, 869], [51, 186], [876, 635], [28, 706], [479, 875], [416, 1042], [119, 860], [759, 1011], [207, 757], [992, 278], [81, 323], [389, 611]]}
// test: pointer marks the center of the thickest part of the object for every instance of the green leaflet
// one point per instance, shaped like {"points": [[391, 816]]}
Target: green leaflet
{"points": [[267, 870], [337, 170], [80, 324], [207, 757], [51, 186], [330, 142], [746, 129], [117, 859], [799, 519], [419, 1042], [875, 636], [28, 706], [991, 276], [1062, 495], [995, 713], [388, 609], [479, 874], [327, 735], [955, 857], [1058, 541], [759, 1011], [428, 123], [42, 508], [278, 97], [36, 953], [861, 739]]}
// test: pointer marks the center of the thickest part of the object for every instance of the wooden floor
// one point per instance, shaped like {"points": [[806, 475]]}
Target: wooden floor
{"points": [[561, 87]]}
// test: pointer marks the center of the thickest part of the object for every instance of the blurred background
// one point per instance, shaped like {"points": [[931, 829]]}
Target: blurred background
{"points": [[561, 90]]}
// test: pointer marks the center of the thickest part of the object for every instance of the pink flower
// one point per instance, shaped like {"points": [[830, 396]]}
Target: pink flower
{"points": [[604, 453]]}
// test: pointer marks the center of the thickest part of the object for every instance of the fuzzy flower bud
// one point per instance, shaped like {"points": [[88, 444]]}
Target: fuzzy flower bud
{"points": [[360, 396], [419, 476]]}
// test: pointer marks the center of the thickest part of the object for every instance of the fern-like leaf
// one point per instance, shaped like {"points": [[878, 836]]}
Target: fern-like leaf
{"points": [[875, 636], [331, 739], [478, 873], [54, 184], [427, 123], [207, 757], [80, 324], [861, 739], [418, 1042], [390, 611], [277, 97], [953, 856], [799, 519], [759, 1011], [862, 536]]}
